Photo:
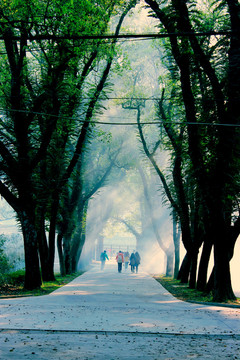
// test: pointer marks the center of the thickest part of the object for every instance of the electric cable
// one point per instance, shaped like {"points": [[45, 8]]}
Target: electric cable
{"points": [[123, 123], [123, 36]]}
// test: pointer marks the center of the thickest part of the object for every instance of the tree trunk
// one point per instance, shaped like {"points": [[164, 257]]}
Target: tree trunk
{"points": [[60, 255], [222, 278], [210, 283], [169, 269], [193, 270], [32, 269], [79, 238], [203, 265], [184, 271], [52, 234], [176, 241], [67, 256], [43, 248], [77, 255]]}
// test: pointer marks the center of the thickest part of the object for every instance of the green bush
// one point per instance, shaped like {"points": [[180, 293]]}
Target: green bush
{"points": [[16, 278]]}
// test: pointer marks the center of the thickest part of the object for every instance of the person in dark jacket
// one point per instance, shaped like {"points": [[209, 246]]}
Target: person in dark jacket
{"points": [[137, 260], [132, 262]]}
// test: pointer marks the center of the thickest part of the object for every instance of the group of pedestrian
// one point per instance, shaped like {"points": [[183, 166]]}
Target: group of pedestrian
{"points": [[133, 260], [123, 258]]}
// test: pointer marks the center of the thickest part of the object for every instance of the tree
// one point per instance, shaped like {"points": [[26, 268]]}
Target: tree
{"points": [[209, 95], [44, 89], [92, 174]]}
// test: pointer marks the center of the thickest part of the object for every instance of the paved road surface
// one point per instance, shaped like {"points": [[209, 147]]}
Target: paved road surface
{"points": [[107, 315]]}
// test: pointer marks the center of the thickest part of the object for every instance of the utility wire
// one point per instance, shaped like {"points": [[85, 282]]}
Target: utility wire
{"points": [[123, 123], [105, 99], [36, 50], [120, 38], [123, 36]]}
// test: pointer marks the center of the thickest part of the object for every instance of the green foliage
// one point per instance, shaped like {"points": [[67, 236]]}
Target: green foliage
{"points": [[50, 286], [183, 292], [204, 16], [4, 261], [13, 286], [16, 278], [57, 82]]}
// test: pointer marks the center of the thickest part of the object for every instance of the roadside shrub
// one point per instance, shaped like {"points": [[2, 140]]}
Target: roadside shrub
{"points": [[13, 248], [4, 261], [16, 278]]}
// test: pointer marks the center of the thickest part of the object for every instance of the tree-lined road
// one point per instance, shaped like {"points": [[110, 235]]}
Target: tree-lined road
{"points": [[101, 309]]}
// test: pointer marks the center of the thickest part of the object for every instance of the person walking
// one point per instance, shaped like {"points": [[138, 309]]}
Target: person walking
{"points": [[137, 260], [126, 259], [120, 260], [132, 262], [103, 258]]}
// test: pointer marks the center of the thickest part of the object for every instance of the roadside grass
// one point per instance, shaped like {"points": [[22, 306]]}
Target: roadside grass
{"points": [[14, 286], [182, 291]]}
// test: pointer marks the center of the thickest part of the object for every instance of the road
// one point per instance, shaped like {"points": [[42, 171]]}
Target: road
{"points": [[107, 315]]}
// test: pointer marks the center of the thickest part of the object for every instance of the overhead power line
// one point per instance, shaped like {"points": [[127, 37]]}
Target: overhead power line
{"points": [[122, 123], [122, 36]]}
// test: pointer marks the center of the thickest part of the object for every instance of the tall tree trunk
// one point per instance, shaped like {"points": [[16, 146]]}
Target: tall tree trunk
{"points": [[43, 247], [193, 270], [79, 238], [222, 278], [52, 233], [184, 271], [210, 284], [60, 254], [67, 256], [203, 265], [77, 255], [176, 241], [169, 268], [32, 269]]}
